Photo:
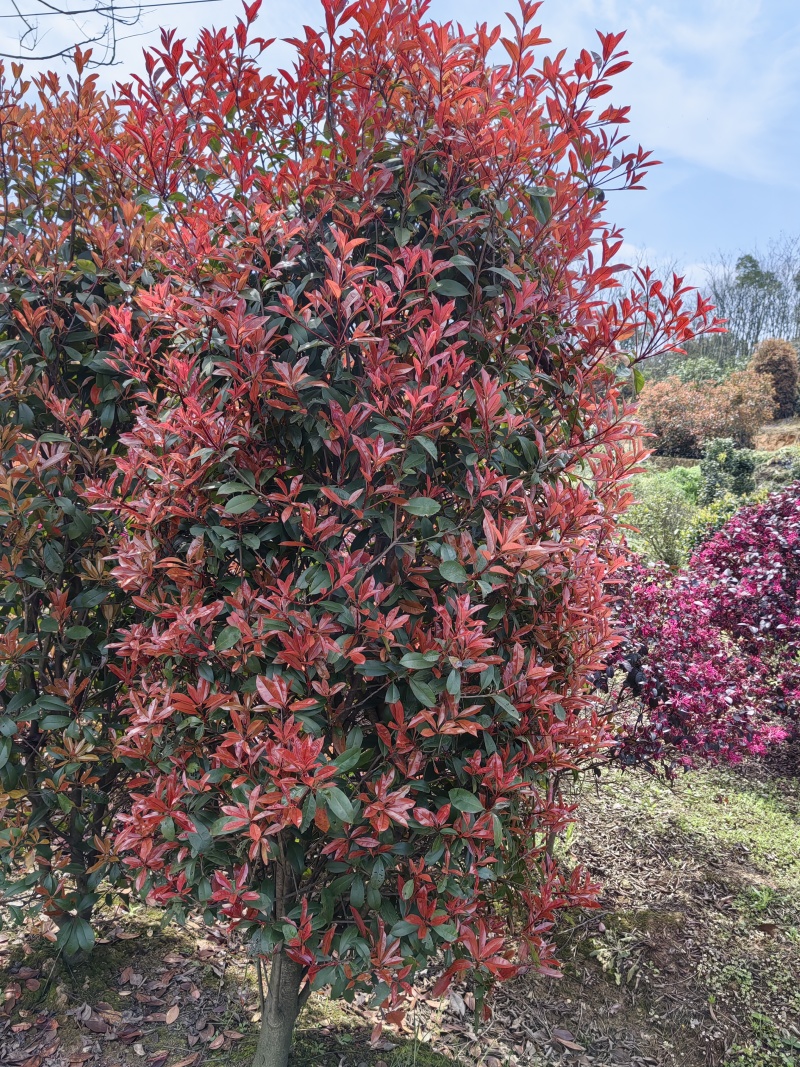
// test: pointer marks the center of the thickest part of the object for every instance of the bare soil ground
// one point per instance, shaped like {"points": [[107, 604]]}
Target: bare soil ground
{"points": [[777, 435], [693, 959]]}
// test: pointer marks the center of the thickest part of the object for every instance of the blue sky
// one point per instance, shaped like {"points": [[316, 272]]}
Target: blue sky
{"points": [[714, 89]]}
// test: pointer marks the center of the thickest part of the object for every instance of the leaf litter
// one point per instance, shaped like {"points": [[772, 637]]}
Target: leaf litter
{"points": [[694, 947]]}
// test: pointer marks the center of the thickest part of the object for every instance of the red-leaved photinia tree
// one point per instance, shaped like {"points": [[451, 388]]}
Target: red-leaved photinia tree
{"points": [[711, 657], [73, 242], [372, 489]]}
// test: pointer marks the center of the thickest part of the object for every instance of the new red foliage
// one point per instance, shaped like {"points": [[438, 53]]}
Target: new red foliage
{"points": [[371, 490], [72, 242]]}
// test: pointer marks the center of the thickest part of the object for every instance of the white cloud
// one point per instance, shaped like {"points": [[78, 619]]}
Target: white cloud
{"points": [[714, 82]]}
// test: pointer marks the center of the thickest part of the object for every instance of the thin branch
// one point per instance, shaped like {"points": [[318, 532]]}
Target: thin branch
{"points": [[103, 32]]}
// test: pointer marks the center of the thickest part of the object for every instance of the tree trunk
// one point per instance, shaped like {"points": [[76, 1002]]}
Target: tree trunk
{"points": [[281, 1007]]}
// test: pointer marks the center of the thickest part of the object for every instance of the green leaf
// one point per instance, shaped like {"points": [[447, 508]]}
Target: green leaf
{"points": [[348, 759], [422, 505], [504, 272], [228, 637], [403, 928], [423, 692], [428, 445], [52, 559], [638, 380], [324, 976], [542, 206], [449, 288], [357, 893], [237, 505], [78, 633], [51, 703], [20, 700], [90, 598], [54, 722], [505, 704], [75, 936], [419, 661], [340, 804], [200, 841], [462, 800], [228, 488], [452, 571], [349, 936], [373, 668]]}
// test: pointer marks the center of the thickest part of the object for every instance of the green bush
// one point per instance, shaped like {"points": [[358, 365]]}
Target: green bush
{"points": [[700, 369], [706, 520], [663, 512], [689, 481], [726, 470]]}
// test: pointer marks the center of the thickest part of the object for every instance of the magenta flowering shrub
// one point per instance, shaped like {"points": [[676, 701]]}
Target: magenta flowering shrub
{"points": [[752, 568], [710, 662]]}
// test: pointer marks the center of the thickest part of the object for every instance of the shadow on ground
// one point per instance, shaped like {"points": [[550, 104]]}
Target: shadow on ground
{"points": [[692, 959]]}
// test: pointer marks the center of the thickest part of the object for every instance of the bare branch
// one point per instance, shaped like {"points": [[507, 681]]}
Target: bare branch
{"points": [[94, 22]]}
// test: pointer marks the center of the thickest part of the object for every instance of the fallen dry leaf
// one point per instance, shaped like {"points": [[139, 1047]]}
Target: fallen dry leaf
{"points": [[172, 1015], [129, 1034], [565, 1038], [146, 998]]}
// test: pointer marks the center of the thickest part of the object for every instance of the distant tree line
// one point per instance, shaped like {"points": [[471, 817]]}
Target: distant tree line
{"points": [[758, 293]]}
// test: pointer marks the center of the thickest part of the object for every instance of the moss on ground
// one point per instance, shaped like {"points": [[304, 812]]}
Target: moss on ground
{"points": [[702, 909]]}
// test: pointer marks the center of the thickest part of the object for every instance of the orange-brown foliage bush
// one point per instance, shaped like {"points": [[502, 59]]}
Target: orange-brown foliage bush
{"points": [[684, 415]]}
